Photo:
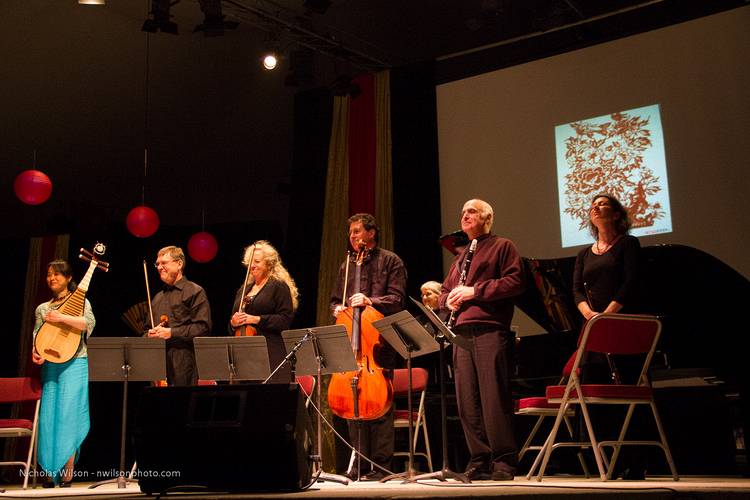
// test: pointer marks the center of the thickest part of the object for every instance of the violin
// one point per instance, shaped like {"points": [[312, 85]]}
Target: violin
{"points": [[163, 321], [244, 330], [364, 394]]}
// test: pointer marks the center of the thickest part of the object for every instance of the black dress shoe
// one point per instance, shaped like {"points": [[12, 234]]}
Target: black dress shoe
{"points": [[48, 483], [502, 472], [634, 474], [502, 475], [477, 472], [65, 484], [374, 475]]}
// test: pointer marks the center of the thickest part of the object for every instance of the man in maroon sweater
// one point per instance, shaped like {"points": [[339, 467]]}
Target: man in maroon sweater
{"points": [[484, 309]]}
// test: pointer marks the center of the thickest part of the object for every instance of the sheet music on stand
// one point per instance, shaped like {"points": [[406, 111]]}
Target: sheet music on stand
{"points": [[445, 336], [406, 335], [125, 359], [321, 350], [145, 358], [333, 343], [460, 341], [410, 339], [232, 358]]}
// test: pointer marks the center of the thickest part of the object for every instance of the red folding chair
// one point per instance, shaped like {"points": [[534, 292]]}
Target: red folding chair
{"points": [[419, 381], [18, 390], [610, 334], [307, 384], [538, 406]]}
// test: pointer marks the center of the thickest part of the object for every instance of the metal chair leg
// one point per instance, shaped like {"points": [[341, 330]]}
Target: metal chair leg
{"points": [[665, 445]]}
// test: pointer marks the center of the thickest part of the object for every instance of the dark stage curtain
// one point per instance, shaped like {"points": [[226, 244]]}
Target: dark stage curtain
{"points": [[416, 183]]}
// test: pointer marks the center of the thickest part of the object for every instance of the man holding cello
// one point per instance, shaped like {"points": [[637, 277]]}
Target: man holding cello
{"points": [[382, 286]]}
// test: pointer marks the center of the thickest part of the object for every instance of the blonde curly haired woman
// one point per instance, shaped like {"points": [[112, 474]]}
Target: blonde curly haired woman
{"points": [[269, 303]]}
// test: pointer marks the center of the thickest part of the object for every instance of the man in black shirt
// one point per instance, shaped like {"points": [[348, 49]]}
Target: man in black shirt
{"points": [[383, 286], [188, 315]]}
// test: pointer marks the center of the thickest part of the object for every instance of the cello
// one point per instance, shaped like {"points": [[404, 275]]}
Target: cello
{"points": [[364, 394]]}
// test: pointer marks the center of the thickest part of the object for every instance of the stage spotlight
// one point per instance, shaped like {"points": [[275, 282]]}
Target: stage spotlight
{"points": [[160, 18], [270, 61], [92, 2], [213, 21], [317, 6]]}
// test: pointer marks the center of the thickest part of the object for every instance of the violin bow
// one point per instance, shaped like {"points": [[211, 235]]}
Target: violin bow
{"points": [[247, 276], [148, 294], [346, 279]]}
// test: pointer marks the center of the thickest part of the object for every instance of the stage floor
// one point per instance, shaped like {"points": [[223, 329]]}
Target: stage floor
{"points": [[703, 487]]}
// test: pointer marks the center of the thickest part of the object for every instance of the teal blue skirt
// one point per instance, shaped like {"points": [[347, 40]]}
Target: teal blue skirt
{"points": [[64, 413]]}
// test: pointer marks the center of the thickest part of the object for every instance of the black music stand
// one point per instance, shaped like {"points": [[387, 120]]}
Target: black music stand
{"points": [[444, 336], [231, 358], [125, 359], [321, 351], [410, 340]]}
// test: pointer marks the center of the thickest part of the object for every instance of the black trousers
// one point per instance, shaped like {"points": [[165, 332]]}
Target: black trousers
{"points": [[483, 393], [376, 440]]}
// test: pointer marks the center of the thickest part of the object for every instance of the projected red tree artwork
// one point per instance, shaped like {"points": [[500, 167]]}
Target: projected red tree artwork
{"points": [[608, 158]]}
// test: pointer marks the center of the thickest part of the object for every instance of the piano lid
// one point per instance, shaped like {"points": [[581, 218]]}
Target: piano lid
{"points": [[702, 301]]}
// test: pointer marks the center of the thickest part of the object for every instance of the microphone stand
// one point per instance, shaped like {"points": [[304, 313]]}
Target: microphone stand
{"points": [[446, 472], [290, 357], [318, 457], [230, 361], [331, 352]]}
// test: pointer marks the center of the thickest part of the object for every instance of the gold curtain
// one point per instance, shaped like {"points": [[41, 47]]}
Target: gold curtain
{"points": [[336, 210], [383, 169], [333, 241]]}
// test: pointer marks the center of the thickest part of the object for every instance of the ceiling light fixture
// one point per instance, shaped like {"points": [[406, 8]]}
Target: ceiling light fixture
{"points": [[270, 61], [92, 2], [213, 21]]}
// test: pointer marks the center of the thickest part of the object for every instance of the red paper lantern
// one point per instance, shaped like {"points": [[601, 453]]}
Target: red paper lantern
{"points": [[32, 187], [202, 247], [142, 221]]}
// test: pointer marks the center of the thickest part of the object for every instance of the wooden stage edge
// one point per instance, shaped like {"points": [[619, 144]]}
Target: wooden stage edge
{"points": [[692, 486]]}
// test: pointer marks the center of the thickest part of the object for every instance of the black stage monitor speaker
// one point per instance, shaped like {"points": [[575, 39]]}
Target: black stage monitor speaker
{"points": [[223, 438]]}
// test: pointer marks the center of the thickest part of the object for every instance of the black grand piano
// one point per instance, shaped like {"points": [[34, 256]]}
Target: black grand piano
{"points": [[701, 371]]}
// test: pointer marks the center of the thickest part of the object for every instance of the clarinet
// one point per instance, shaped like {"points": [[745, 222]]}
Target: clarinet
{"points": [[462, 279]]}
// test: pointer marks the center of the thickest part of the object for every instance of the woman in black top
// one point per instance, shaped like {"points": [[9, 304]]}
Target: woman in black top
{"points": [[604, 281], [605, 273], [269, 303]]}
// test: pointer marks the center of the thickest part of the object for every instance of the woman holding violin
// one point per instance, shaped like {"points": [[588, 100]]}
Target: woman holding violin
{"points": [[265, 304], [381, 288], [64, 413]]}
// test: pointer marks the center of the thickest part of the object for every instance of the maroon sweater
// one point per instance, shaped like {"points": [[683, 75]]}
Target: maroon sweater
{"points": [[496, 275]]}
